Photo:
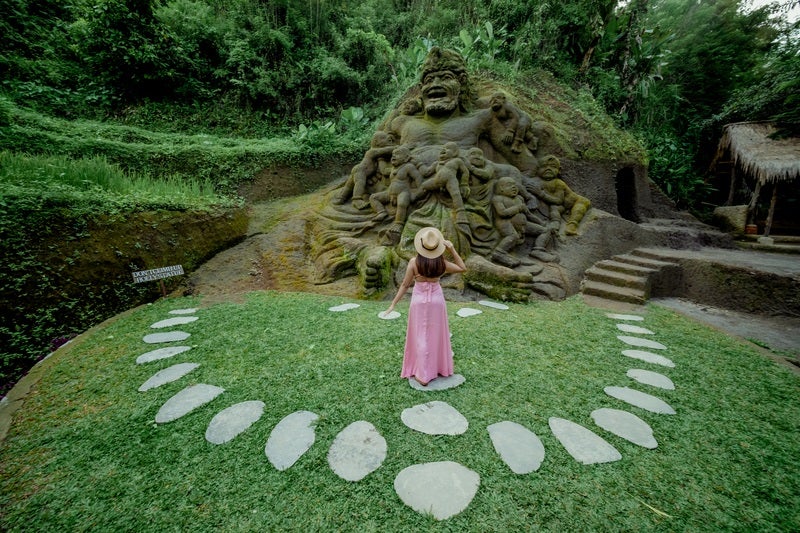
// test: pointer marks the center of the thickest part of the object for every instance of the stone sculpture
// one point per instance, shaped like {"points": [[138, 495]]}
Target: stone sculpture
{"points": [[465, 163]]}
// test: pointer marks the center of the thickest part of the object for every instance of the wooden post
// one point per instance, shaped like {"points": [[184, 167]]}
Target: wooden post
{"points": [[731, 193], [772, 203], [753, 202]]}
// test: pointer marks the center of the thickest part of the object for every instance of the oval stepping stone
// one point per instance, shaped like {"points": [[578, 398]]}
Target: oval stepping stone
{"points": [[626, 425], [519, 448], [435, 418], [468, 311], [188, 311], [441, 489], [187, 401], [494, 305], [229, 422], [168, 336], [640, 399], [643, 343], [649, 357], [357, 451], [161, 353], [174, 321], [582, 444], [632, 318], [168, 375], [651, 378], [389, 316], [291, 438], [449, 382], [343, 307], [629, 328]]}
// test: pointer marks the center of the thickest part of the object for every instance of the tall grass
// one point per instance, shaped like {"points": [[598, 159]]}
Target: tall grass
{"points": [[224, 161], [95, 179]]}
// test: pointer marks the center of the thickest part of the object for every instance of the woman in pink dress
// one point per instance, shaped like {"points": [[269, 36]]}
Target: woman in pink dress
{"points": [[428, 353]]}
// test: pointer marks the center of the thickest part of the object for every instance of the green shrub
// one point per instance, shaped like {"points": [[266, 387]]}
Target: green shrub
{"points": [[5, 112]]}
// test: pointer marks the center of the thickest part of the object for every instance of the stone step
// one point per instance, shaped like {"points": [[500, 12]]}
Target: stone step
{"points": [[625, 268], [658, 255], [614, 277], [641, 261], [614, 292]]}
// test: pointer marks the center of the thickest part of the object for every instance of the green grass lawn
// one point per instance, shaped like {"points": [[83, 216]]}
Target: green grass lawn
{"points": [[84, 452]]}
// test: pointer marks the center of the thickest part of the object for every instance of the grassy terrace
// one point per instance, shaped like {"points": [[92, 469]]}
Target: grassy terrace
{"points": [[84, 451]]}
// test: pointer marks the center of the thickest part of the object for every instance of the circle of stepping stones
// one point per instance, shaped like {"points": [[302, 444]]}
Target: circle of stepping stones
{"points": [[357, 451], [632, 318], [582, 444], [186, 401], [629, 328], [648, 377], [494, 305], [518, 447], [640, 399], [649, 357], [161, 353], [291, 438], [441, 489], [449, 382], [344, 307], [643, 343], [174, 321], [169, 336], [189, 311], [231, 421], [168, 375], [435, 418], [626, 425]]}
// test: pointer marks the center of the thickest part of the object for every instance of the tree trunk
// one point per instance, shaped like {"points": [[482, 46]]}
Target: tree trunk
{"points": [[772, 203]]}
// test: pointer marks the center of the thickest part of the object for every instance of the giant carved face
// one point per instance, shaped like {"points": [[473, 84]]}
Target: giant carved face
{"points": [[440, 92]]}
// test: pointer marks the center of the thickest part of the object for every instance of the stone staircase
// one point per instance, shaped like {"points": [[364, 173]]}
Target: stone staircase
{"points": [[628, 278]]}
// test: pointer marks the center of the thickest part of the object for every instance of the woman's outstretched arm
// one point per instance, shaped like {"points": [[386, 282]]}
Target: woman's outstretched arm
{"points": [[404, 285]]}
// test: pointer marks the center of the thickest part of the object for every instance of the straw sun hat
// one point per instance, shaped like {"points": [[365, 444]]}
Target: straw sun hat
{"points": [[429, 242]]}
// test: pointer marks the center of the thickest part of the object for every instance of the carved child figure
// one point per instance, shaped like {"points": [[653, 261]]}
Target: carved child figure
{"points": [[563, 201], [364, 173], [512, 219], [450, 173], [404, 177], [516, 122]]}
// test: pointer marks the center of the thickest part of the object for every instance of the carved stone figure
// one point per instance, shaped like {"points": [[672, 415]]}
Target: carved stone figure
{"points": [[515, 124], [563, 201], [369, 171], [404, 179], [461, 162], [514, 221], [451, 174]]}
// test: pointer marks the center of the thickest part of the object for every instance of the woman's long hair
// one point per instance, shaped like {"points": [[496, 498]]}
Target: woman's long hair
{"points": [[430, 268]]}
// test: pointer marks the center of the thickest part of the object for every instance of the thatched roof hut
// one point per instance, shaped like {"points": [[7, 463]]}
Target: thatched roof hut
{"points": [[753, 152], [757, 154]]}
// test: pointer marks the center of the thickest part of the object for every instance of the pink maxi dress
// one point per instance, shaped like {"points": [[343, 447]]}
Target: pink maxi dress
{"points": [[428, 353]]}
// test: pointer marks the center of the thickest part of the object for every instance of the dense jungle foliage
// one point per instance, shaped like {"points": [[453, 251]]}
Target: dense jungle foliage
{"points": [[672, 71], [201, 94]]}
